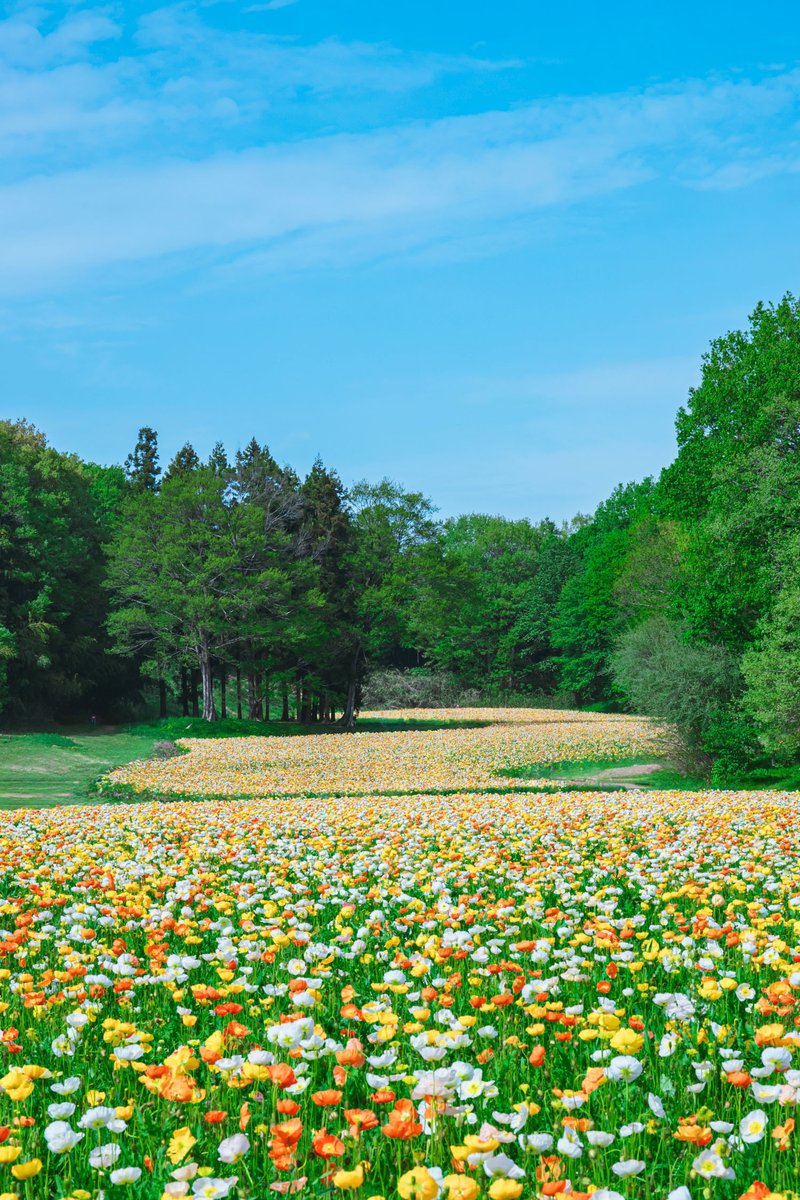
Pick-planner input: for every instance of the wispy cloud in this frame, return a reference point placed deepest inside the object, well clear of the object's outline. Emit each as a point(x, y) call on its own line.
point(271, 5)
point(113, 159)
point(86, 82)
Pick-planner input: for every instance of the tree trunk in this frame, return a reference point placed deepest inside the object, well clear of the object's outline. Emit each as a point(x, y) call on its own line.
point(195, 705)
point(297, 702)
point(305, 708)
point(348, 720)
point(223, 680)
point(184, 692)
point(162, 697)
point(253, 698)
point(207, 677)
point(285, 700)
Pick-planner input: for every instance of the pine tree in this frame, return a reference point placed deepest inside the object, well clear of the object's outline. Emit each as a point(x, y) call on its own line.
point(142, 466)
point(184, 461)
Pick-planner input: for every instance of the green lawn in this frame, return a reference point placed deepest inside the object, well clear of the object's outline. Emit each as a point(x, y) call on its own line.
point(172, 728)
point(42, 769)
point(664, 778)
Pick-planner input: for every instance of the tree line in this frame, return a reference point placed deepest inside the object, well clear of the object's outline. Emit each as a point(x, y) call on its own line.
point(236, 580)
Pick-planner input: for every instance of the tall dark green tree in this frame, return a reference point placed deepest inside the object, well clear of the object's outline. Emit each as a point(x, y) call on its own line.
point(141, 465)
point(185, 460)
point(55, 514)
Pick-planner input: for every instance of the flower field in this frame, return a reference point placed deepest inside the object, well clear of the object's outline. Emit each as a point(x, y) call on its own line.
point(466, 996)
point(402, 761)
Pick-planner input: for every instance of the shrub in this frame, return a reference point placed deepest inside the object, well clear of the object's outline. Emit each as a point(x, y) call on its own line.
point(166, 750)
point(392, 688)
point(692, 687)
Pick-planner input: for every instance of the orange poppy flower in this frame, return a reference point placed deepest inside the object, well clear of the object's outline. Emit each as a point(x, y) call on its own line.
point(327, 1145)
point(326, 1098)
point(402, 1123)
point(180, 1088)
point(350, 1057)
point(235, 1029)
point(289, 1132)
point(360, 1119)
point(282, 1075)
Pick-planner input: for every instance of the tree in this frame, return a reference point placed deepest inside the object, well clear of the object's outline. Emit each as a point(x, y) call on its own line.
point(55, 515)
point(771, 665)
point(218, 459)
point(586, 620)
point(184, 461)
point(196, 569)
point(475, 593)
point(734, 482)
point(689, 686)
point(327, 632)
point(142, 464)
point(393, 532)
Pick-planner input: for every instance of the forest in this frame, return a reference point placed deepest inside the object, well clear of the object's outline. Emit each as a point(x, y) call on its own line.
point(233, 587)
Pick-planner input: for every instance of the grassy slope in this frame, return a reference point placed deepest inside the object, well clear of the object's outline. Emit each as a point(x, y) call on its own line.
point(666, 778)
point(41, 769)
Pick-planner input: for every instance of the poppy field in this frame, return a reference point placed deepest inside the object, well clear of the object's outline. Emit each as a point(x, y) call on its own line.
point(463, 996)
point(403, 761)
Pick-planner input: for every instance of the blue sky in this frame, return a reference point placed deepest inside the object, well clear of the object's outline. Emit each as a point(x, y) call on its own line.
point(477, 248)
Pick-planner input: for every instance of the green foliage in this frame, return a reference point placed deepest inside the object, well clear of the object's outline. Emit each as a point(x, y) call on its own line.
point(771, 666)
point(54, 651)
point(587, 618)
point(204, 565)
point(686, 685)
point(477, 598)
point(141, 465)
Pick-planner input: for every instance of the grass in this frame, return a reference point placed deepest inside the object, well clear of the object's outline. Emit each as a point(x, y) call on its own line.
point(38, 770)
point(568, 769)
point(666, 778)
point(125, 793)
point(172, 728)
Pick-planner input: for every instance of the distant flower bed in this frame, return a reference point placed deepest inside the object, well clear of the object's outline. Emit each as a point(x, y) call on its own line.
point(460, 997)
point(401, 761)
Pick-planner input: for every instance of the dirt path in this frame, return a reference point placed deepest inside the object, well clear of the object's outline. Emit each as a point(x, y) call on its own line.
point(619, 776)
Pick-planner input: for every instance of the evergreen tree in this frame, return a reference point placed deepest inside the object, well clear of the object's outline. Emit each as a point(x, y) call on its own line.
point(184, 461)
point(141, 465)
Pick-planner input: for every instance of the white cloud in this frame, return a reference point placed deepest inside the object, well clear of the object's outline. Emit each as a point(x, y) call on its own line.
point(70, 86)
point(332, 198)
point(165, 153)
point(271, 5)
